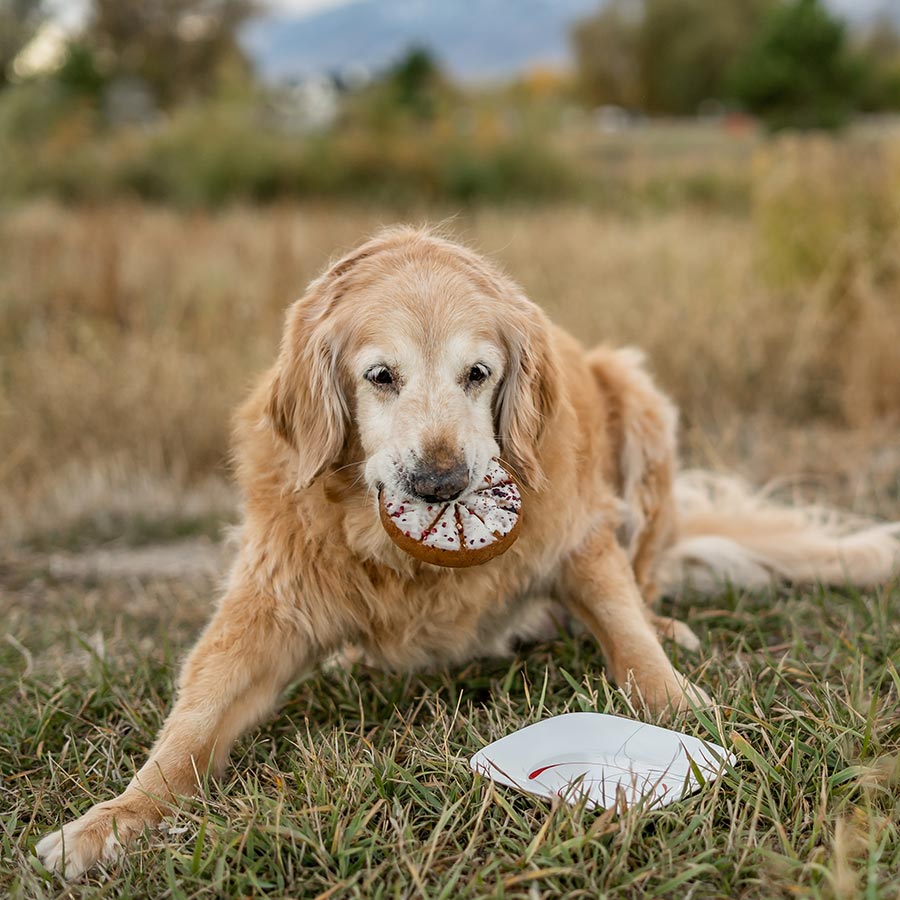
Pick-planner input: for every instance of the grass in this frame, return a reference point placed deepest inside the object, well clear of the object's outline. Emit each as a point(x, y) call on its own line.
point(360, 786)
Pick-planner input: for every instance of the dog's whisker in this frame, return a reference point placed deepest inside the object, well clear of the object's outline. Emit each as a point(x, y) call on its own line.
point(359, 462)
point(508, 465)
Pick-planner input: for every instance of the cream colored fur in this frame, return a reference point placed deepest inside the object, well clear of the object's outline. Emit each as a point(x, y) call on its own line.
point(591, 439)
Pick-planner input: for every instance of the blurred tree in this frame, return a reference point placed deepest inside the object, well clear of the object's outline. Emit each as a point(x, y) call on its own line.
point(19, 22)
point(179, 48)
point(413, 92)
point(663, 56)
point(414, 82)
point(79, 72)
point(687, 47)
point(606, 55)
point(882, 47)
point(800, 71)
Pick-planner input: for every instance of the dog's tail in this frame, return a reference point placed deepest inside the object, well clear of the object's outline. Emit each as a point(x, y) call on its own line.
point(728, 533)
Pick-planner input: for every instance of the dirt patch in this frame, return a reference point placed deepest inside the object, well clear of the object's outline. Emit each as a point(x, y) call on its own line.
point(190, 558)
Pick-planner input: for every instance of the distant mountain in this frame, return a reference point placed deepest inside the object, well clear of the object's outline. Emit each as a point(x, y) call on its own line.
point(473, 39)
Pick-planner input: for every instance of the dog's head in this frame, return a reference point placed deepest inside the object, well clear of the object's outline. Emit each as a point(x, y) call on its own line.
point(423, 355)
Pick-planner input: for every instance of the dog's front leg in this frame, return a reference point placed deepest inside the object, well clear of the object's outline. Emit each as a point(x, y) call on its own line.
point(599, 588)
point(246, 656)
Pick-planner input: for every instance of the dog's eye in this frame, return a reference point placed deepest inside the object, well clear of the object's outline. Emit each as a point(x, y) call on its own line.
point(478, 374)
point(380, 376)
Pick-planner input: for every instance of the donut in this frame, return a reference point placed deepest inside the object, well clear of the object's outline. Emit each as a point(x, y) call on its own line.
point(467, 531)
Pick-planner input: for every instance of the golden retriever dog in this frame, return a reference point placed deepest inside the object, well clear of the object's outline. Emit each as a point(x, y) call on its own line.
point(412, 362)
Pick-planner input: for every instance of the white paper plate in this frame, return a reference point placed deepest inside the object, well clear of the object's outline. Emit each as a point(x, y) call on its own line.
point(607, 759)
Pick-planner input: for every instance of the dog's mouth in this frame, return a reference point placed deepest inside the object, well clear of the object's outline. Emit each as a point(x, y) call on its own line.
point(406, 486)
point(464, 494)
point(403, 485)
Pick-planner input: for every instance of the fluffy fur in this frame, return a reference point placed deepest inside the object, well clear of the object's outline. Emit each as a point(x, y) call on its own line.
point(591, 439)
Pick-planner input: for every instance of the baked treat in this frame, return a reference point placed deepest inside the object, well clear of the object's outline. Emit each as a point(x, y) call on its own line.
point(467, 531)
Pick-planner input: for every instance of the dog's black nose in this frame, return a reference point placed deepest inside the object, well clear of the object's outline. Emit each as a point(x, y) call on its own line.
point(437, 485)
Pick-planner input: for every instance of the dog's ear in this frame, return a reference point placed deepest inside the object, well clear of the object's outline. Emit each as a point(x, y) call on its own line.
point(307, 406)
point(528, 393)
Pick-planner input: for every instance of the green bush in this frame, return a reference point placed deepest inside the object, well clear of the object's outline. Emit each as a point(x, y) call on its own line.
point(824, 209)
point(203, 157)
point(215, 153)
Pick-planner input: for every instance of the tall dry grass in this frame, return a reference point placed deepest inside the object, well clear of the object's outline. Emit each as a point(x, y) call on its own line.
point(128, 333)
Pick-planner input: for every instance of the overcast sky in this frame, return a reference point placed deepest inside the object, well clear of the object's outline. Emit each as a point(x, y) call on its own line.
point(303, 6)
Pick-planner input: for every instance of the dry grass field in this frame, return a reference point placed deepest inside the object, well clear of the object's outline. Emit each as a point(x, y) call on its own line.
point(127, 335)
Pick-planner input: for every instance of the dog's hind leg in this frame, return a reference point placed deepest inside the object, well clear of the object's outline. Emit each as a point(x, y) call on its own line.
point(642, 422)
point(233, 677)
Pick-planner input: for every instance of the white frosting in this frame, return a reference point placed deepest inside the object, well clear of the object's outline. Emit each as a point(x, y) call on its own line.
point(506, 495)
point(444, 534)
point(495, 474)
point(475, 533)
point(411, 516)
point(495, 518)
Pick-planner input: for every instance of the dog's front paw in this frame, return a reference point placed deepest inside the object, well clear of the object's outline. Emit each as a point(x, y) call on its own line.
point(97, 837)
point(669, 696)
point(677, 631)
point(693, 697)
